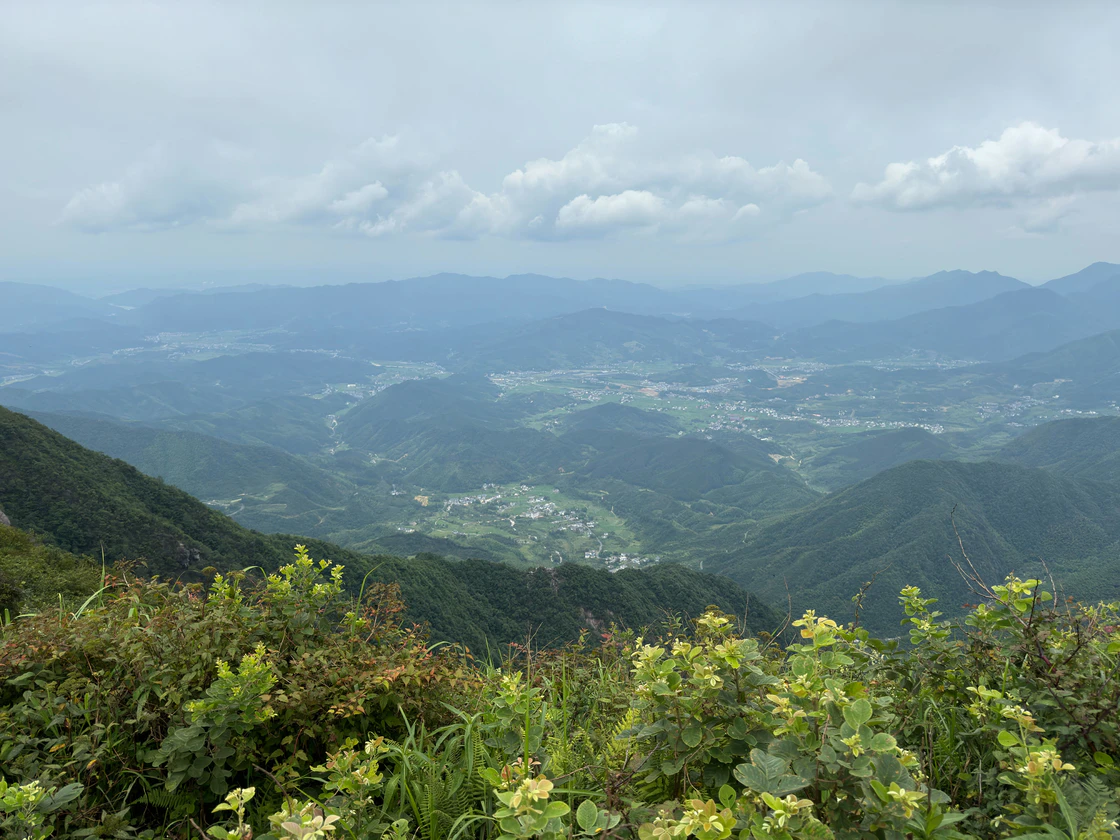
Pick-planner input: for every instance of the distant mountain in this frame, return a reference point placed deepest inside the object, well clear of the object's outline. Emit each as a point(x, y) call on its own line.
point(896, 527)
point(132, 298)
point(297, 425)
point(65, 340)
point(866, 454)
point(1085, 373)
point(617, 417)
point(442, 300)
point(391, 415)
point(602, 337)
point(246, 374)
point(817, 283)
point(158, 401)
point(1081, 447)
point(691, 468)
point(155, 390)
point(1002, 327)
point(946, 288)
point(1101, 301)
point(453, 434)
point(27, 305)
point(1084, 279)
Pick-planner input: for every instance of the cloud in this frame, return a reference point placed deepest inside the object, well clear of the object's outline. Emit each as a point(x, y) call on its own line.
point(1028, 163)
point(1046, 216)
point(630, 208)
point(162, 190)
point(609, 183)
point(344, 191)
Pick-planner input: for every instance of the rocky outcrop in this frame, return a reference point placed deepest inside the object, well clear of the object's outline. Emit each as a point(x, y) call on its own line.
point(186, 556)
point(4, 520)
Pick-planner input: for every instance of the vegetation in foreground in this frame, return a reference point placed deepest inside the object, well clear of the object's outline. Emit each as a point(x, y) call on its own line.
point(285, 708)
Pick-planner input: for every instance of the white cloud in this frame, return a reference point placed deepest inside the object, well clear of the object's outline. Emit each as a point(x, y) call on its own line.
point(359, 200)
point(1027, 163)
point(162, 190)
point(608, 183)
point(630, 208)
point(343, 192)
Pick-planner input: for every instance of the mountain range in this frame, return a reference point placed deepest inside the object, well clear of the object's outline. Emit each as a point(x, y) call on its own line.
point(535, 322)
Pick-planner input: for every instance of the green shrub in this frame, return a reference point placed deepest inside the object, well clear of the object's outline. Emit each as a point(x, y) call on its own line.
point(280, 708)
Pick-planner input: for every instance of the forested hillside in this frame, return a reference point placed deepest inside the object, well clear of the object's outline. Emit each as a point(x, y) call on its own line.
point(88, 503)
point(204, 466)
point(83, 503)
point(1080, 448)
point(898, 529)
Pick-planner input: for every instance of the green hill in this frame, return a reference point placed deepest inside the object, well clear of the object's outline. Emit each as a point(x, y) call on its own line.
point(868, 453)
point(689, 468)
point(297, 425)
point(454, 401)
point(85, 501)
point(80, 501)
point(1085, 372)
point(897, 525)
point(617, 417)
point(1081, 447)
point(202, 465)
point(479, 602)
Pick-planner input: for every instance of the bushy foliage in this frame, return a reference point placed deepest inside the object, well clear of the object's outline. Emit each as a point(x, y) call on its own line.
point(161, 698)
point(281, 708)
point(35, 576)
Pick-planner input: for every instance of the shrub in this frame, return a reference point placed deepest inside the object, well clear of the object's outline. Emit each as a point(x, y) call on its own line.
point(278, 708)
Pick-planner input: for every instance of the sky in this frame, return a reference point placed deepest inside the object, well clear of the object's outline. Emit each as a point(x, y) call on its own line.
point(680, 143)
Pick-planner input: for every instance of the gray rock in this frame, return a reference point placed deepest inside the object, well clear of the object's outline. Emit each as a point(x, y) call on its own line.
point(4, 520)
point(187, 556)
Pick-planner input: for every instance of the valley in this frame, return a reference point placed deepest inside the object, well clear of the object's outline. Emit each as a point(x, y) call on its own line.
point(669, 441)
point(536, 432)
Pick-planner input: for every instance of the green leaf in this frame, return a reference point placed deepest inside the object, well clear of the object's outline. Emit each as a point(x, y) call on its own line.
point(858, 713)
point(692, 734)
point(556, 809)
point(669, 767)
point(882, 742)
point(62, 797)
point(1007, 739)
point(889, 769)
point(751, 777)
point(770, 765)
point(587, 815)
point(789, 784)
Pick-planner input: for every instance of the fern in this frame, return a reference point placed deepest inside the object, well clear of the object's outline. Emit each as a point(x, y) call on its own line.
point(177, 804)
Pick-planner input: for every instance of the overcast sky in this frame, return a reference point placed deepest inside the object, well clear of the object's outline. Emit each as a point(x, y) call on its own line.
point(681, 143)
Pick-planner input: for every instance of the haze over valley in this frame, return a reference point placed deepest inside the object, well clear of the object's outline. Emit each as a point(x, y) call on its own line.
point(799, 437)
